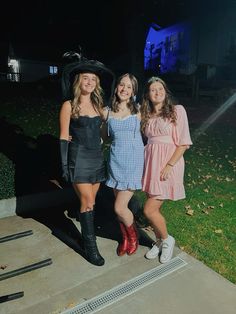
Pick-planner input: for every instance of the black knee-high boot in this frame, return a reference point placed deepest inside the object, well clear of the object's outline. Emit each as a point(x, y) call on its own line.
point(89, 239)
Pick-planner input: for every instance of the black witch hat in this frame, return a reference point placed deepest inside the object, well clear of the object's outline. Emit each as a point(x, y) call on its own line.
point(79, 64)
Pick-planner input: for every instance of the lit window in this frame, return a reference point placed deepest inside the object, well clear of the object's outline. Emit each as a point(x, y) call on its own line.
point(13, 63)
point(13, 70)
point(53, 70)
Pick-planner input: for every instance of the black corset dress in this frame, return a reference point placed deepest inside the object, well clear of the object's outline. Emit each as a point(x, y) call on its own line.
point(86, 162)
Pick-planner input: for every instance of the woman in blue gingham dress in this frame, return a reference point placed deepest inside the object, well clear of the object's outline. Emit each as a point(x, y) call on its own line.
point(126, 160)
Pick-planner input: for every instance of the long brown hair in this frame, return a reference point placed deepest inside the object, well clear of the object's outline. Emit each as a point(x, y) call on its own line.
point(147, 108)
point(131, 104)
point(96, 96)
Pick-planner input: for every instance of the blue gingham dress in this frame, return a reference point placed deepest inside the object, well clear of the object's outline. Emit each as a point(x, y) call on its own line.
point(126, 158)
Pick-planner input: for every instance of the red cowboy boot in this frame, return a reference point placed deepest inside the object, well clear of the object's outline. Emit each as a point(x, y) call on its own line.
point(132, 239)
point(123, 246)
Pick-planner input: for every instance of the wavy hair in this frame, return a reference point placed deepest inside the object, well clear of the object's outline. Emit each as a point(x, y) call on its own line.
point(132, 103)
point(96, 96)
point(147, 108)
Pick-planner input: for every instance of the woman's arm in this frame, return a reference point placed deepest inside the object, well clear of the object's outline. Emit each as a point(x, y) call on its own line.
point(104, 134)
point(178, 153)
point(181, 137)
point(104, 131)
point(64, 119)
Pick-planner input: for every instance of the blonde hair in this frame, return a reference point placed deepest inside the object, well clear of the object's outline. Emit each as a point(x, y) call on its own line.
point(131, 104)
point(96, 96)
point(147, 108)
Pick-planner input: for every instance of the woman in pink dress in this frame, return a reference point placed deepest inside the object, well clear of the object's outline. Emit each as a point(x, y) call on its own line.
point(165, 126)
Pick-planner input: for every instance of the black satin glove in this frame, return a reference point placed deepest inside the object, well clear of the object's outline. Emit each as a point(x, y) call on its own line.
point(64, 144)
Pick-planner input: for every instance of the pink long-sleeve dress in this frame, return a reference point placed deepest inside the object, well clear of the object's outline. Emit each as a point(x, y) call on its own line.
point(163, 138)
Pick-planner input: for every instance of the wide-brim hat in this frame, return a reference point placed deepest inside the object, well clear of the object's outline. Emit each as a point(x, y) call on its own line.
point(106, 76)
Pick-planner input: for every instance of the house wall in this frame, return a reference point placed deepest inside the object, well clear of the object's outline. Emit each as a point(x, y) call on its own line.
point(33, 71)
point(226, 34)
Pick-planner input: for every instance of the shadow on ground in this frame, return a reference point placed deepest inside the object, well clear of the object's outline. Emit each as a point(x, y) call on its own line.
point(61, 217)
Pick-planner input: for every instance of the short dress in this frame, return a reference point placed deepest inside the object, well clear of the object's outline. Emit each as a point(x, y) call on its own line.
point(126, 158)
point(85, 155)
point(163, 138)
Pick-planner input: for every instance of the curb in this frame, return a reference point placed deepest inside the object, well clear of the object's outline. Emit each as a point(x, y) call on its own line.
point(23, 205)
point(8, 207)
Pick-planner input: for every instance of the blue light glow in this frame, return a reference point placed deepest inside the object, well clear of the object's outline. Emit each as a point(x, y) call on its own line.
point(167, 50)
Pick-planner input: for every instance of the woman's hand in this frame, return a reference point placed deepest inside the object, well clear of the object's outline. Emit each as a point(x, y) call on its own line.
point(178, 153)
point(165, 173)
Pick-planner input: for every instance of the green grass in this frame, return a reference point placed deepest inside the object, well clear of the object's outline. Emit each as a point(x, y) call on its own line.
point(204, 224)
point(39, 117)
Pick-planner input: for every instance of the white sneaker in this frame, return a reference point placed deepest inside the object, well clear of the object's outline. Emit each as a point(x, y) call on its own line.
point(167, 249)
point(155, 250)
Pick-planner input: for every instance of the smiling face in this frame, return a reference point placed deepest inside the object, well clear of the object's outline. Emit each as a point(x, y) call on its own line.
point(88, 82)
point(157, 93)
point(124, 89)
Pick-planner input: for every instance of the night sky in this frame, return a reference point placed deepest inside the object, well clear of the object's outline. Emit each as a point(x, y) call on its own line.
point(100, 27)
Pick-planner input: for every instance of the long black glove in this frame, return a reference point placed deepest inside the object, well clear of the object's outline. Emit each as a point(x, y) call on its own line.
point(64, 144)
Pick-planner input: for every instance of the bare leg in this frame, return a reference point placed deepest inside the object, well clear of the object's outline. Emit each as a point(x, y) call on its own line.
point(87, 194)
point(152, 212)
point(121, 207)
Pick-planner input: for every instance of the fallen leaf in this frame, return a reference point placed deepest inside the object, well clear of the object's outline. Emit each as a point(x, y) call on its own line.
point(3, 266)
point(187, 207)
point(70, 305)
point(208, 176)
point(190, 212)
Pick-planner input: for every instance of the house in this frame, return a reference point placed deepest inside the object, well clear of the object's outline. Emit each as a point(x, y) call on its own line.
point(203, 44)
point(28, 63)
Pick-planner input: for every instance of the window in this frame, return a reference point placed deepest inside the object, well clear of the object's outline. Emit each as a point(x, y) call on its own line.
point(13, 70)
point(53, 70)
point(173, 42)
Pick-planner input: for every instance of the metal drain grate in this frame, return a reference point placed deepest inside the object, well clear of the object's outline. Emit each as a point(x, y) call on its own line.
point(123, 290)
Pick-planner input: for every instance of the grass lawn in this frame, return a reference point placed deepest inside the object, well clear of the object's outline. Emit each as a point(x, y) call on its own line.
point(204, 224)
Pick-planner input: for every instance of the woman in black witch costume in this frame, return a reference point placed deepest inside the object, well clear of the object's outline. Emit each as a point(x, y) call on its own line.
point(81, 117)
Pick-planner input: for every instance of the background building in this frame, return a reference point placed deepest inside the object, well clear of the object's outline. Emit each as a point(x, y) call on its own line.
point(206, 45)
point(29, 63)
